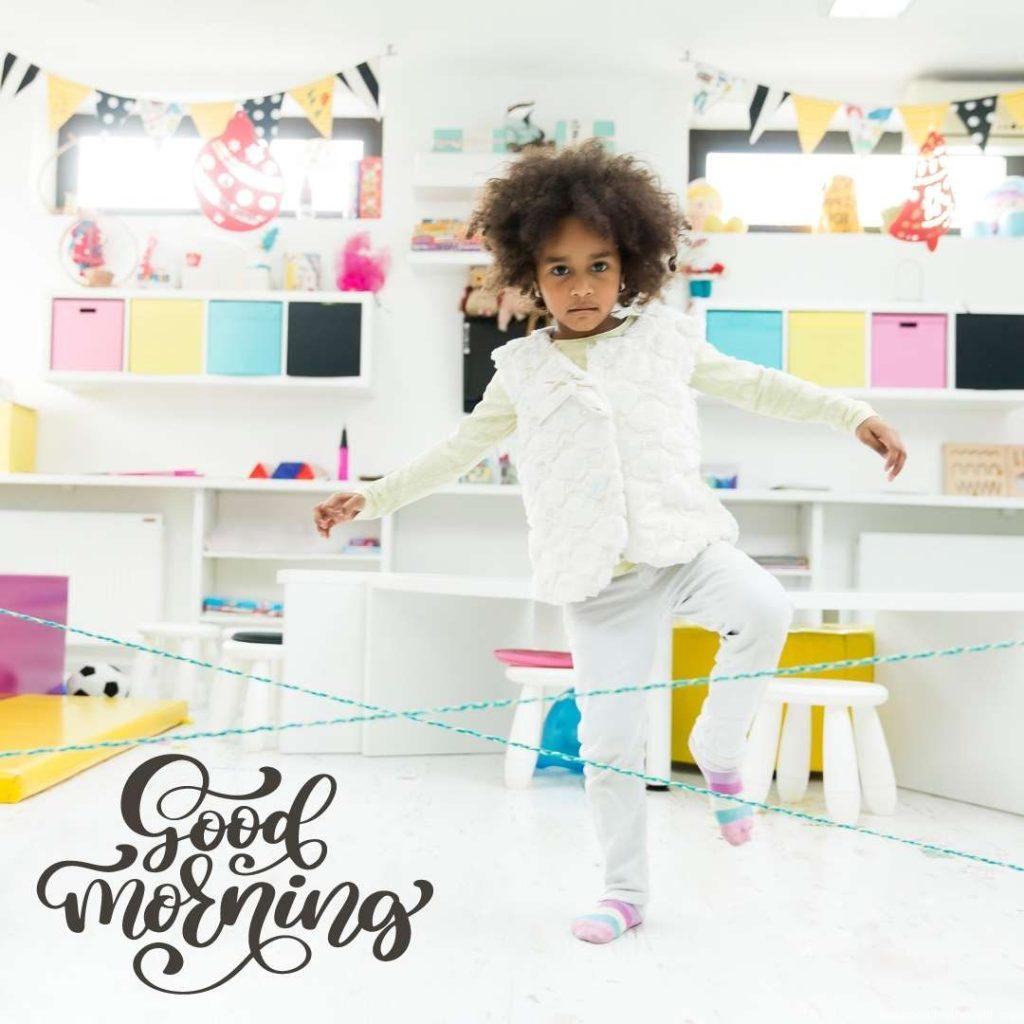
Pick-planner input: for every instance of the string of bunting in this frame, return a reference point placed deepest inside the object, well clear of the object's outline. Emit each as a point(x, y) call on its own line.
point(160, 118)
point(865, 125)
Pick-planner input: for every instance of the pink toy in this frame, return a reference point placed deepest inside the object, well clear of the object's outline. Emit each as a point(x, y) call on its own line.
point(32, 656)
point(361, 269)
point(527, 658)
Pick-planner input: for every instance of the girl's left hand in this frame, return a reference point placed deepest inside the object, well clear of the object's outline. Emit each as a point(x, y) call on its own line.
point(877, 434)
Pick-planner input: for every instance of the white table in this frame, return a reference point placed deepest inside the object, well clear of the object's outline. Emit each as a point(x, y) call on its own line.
point(418, 640)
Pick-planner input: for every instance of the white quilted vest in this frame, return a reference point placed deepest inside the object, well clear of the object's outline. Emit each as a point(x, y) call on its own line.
point(609, 457)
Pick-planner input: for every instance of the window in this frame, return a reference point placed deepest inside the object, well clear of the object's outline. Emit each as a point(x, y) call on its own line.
point(773, 186)
point(128, 172)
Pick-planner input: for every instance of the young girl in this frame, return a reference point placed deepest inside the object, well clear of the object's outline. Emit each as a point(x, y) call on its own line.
point(622, 528)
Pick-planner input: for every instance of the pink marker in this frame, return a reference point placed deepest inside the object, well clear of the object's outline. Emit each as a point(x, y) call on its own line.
point(343, 456)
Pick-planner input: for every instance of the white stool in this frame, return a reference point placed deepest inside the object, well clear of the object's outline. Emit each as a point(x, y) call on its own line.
point(160, 677)
point(528, 722)
point(236, 701)
point(845, 751)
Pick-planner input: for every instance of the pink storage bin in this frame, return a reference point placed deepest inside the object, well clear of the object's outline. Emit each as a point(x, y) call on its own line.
point(908, 350)
point(87, 334)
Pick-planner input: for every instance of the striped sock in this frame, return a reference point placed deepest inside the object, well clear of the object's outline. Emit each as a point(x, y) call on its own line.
point(735, 820)
point(608, 921)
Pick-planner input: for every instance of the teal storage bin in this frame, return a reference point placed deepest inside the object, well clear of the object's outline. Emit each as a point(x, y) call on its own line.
point(244, 338)
point(754, 335)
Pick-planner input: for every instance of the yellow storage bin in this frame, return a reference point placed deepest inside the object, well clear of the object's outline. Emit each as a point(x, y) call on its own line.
point(165, 336)
point(828, 348)
point(17, 438)
point(693, 654)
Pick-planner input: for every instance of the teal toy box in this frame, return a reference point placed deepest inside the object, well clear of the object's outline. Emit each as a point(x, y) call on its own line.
point(754, 335)
point(244, 338)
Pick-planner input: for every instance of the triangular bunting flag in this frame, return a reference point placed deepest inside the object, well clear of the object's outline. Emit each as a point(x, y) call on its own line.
point(160, 120)
point(812, 120)
point(264, 113)
point(923, 119)
point(211, 118)
point(64, 97)
point(977, 116)
point(315, 99)
point(9, 75)
point(712, 85)
point(765, 102)
point(363, 81)
point(866, 129)
point(1014, 103)
point(113, 111)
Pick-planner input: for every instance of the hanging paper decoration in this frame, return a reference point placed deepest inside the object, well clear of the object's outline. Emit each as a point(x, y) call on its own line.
point(765, 102)
point(1014, 103)
point(237, 179)
point(211, 118)
point(866, 129)
point(923, 119)
point(977, 116)
point(264, 114)
point(363, 81)
point(316, 99)
point(812, 120)
point(160, 120)
point(926, 215)
point(25, 76)
point(63, 98)
point(113, 110)
point(712, 85)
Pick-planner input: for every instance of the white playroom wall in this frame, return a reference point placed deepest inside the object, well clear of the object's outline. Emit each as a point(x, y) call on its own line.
point(417, 387)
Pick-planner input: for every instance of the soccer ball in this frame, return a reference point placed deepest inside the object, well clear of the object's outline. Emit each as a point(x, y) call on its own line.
point(97, 680)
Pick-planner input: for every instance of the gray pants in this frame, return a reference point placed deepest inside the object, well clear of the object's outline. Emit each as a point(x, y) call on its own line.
point(613, 638)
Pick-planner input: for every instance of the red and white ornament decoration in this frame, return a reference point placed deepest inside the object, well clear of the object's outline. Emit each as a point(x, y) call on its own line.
point(237, 180)
point(927, 213)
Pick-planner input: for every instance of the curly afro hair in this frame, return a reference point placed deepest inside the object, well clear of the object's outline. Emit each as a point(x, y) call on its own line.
point(614, 195)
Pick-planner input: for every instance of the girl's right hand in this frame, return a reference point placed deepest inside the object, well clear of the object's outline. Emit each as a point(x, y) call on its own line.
point(338, 508)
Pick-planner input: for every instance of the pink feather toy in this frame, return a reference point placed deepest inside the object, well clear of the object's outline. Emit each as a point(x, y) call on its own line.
point(360, 268)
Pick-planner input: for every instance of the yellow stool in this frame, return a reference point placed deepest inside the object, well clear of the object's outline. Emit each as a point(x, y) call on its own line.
point(693, 654)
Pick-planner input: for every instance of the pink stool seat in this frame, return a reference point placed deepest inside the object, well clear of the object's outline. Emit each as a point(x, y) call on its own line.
point(524, 657)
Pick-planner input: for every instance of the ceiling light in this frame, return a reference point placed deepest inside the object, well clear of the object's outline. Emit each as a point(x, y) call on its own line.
point(868, 8)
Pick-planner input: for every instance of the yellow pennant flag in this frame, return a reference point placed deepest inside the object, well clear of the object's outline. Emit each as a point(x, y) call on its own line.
point(316, 100)
point(63, 98)
point(812, 120)
point(1014, 103)
point(923, 118)
point(211, 119)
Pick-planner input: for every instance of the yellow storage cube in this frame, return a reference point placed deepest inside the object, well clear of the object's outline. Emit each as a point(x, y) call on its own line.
point(17, 438)
point(828, 348)
point(165, 336)
point(693, 654)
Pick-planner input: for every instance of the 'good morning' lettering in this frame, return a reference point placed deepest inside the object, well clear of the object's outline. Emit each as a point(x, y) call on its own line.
point(201, 917)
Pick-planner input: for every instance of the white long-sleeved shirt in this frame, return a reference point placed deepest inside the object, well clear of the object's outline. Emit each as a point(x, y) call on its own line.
point(748, 385)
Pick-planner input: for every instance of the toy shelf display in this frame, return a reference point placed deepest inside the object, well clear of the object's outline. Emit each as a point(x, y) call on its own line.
point(287, 339)
point(884, 352)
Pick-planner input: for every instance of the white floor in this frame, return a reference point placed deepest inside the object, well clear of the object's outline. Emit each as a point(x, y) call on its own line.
point(805, 923)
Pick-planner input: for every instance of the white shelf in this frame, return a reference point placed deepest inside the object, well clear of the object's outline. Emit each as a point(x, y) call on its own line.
point(84, 380)
point(964, 398)
point(458, 172)
point(283, 556)
point(239, 295)
point(449, 257)
point(241, 621)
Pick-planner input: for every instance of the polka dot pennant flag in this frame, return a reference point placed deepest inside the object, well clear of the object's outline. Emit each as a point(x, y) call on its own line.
point(112, 111)
point(926, 215)
point(264, 114)
point(977, 116)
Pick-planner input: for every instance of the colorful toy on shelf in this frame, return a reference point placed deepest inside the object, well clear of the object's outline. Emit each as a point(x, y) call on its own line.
point(519, 131)
point(447, 140)
point(700, 279)
point(302, 271)
point(242, 606)
point(704, 209)
point(839, 206)
point(236, 178)
point(148, 274)
point(926, 215)
point(361, 268)
point(1002, 211)
point(477, 298)
point(98, 252)
point(98, 679)
point(431, 235)
point(287, 471)
point(371, 187)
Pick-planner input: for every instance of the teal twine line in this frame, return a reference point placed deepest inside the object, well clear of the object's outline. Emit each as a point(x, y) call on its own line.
point(504, 741)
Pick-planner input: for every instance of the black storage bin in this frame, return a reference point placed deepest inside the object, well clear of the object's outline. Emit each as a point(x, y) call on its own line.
point(324, 339)
point(480, 337)
point(990, 351)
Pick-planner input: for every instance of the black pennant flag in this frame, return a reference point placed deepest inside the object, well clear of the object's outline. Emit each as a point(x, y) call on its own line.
point(977, 116)
point(765, 102)
point(28, 76)
point(362, 80)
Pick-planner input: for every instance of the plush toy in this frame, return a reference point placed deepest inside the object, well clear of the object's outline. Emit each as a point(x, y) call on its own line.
point(477, 298)
point(839, 206)
point(361, 269)
point(513, 303)
point(704, 208)
point(1002, 211)
point(520, 132)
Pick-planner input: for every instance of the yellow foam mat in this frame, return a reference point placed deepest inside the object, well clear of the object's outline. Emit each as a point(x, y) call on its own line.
point(41, 720)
